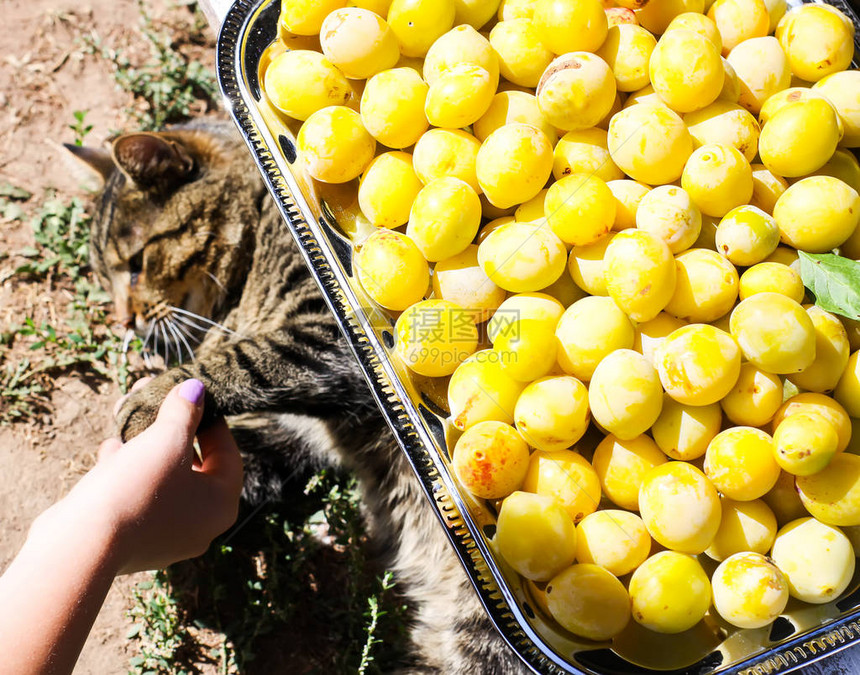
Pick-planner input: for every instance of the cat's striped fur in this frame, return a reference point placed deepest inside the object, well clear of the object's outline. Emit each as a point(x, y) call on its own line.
point(184, 226)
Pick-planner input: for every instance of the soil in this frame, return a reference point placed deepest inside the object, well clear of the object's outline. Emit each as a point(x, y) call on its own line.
point(46, 73)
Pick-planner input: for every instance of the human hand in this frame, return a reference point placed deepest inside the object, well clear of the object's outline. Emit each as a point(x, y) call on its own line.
point(137, 410)
point(154, 500)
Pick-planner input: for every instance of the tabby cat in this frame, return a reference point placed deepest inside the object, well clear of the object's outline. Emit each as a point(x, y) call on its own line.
point(198, 259)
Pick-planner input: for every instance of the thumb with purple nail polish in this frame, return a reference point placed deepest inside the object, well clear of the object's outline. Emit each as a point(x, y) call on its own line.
point(192, 391)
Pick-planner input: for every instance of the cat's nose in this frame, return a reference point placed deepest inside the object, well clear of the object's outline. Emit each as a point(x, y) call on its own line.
point(124, 319)
point(123, 309)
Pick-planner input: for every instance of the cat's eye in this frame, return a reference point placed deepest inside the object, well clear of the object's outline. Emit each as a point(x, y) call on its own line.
point(135, 263)
point(135, 266)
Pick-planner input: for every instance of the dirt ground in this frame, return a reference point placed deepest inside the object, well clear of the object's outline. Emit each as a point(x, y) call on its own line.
point(45, 75)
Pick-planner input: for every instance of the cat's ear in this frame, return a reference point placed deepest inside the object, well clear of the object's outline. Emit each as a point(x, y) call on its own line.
point(152, 161)
point(94, 165)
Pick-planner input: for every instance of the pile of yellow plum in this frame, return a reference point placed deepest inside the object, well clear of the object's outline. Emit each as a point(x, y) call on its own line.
point(593, 218)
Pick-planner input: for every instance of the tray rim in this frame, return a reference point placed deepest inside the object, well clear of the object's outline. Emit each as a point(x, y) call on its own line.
point(405, 420)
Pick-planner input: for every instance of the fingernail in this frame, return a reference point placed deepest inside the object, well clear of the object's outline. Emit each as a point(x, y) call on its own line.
point(192, 391)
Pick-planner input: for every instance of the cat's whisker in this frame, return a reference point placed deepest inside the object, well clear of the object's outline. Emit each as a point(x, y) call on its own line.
point(192, 315)
point(169, 326)
point(167, 341)
point(148, 335)
point(214, 324)
point(217, 282)
point(191, 324)
point(186, 343)
point(187, 333)
point(180, 323)
point(179, 336)
point(156, 336)
point(161, 330)
point(126, 341)
point(147, 359)
point(184, 333)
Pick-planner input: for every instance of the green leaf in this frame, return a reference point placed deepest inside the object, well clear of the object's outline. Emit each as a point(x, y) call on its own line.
point(133, 632)
point(834, 281)
point(13, 192)
point(12, 211)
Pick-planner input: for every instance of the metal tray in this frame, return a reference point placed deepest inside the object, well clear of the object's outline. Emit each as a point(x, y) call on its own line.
point(322, 219)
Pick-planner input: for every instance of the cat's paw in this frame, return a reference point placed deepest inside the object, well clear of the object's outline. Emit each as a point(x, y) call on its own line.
point(140, 409)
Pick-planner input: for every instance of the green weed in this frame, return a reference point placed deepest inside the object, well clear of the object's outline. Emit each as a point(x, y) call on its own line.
point(290, 585)
point(62, 235)
point(168, 85)
point(22, 398)
point(158, 629)
point(79, 344)
point(83, 338)
point(10, 198)
point(373, 614)
point(80, 127)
